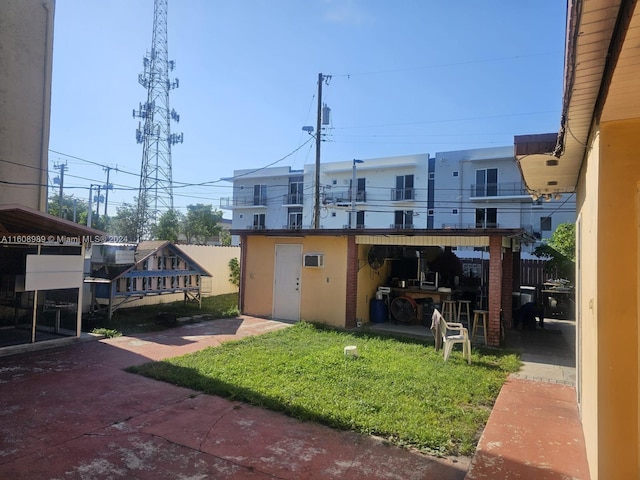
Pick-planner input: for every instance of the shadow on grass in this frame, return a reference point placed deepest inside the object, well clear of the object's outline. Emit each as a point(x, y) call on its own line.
point(192, 379)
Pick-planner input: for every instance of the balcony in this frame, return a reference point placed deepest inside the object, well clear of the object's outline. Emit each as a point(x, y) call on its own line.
point(498, 191)
point(344, 197)
point(402, 226)
point(466, 226)
point(403, 194)
point(244, 201)
point(293, 200)
point(292, 226)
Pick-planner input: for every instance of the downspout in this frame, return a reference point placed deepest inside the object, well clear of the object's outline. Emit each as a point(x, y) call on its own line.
point(46, 111)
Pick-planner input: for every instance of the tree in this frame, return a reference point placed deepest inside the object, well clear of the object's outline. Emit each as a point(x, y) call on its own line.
point(560, 250)
point(234, 274)
point(201, 223)
point(225, 238)
point(125, 223)
point(69, 204)
point(169, 226)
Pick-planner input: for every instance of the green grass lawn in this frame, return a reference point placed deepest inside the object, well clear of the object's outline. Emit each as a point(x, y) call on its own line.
point(143, 319)
point(398, 389)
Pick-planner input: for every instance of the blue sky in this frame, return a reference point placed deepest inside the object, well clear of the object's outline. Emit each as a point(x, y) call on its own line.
point(408, 76)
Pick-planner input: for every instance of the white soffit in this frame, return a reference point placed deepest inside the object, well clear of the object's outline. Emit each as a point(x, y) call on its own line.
point(589, 37)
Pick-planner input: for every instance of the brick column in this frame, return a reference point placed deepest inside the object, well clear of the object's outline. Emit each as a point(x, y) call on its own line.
point(517, 271)
point(495, 290)
point(507, 287)
point(351, 304)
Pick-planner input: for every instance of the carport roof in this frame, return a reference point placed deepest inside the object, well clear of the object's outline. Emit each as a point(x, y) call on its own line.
point(18, 220)
point(471, 237)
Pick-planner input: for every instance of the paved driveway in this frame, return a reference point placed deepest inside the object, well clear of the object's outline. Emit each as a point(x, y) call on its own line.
point(74, 413)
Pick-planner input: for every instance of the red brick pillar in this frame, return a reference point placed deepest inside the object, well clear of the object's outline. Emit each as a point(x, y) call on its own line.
point(507, 287)
point(495, 290)
point(351, 306)
point(517, 271)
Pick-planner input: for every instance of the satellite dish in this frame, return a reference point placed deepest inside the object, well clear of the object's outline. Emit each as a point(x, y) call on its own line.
point(376, 257)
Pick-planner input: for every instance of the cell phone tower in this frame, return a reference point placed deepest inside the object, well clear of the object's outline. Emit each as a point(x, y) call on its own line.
point(154, 127)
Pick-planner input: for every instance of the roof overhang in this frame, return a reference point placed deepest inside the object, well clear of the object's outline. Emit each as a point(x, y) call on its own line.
point(20, 220)
point(600, 84)
point(464, 237)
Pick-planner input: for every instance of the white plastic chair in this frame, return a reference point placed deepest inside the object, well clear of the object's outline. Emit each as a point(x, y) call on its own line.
point(444, 330)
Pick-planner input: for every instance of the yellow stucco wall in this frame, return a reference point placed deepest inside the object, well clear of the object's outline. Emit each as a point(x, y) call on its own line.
point(616, 305)
point(322, 290)
point(586, 300)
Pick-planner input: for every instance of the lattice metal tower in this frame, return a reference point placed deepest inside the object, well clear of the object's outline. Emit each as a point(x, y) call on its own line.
point(154, 128)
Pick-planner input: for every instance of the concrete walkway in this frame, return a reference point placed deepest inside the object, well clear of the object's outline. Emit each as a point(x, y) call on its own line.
point(74, 413)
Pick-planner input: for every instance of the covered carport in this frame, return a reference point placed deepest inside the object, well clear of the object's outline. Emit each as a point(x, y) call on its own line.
point(501, 245)
point(42, 261)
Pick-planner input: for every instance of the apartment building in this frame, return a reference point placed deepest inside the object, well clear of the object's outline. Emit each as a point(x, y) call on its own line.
point(478, 188)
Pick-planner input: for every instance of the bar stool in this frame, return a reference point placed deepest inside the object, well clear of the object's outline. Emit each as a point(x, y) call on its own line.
point(449, 310)
point(464, 308)
point(476, 316)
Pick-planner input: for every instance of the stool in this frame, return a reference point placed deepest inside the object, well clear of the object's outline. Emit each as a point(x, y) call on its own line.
point(449, 310)
point(476, 316)
point(464, 308)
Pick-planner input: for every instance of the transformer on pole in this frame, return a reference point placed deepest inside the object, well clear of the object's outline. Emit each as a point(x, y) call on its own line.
point(155, 194)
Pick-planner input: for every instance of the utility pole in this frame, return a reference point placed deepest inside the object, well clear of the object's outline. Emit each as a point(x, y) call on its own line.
point(90, 209)
point(63, 168)
point(107, 187)
point(98, 203)
point(316, 211)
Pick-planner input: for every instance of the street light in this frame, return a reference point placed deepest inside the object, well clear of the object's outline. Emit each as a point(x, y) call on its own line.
point(354, 193)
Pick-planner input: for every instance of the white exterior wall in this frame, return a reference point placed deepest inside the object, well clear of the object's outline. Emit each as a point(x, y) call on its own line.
point(380, 180)
point(515, 208)
point(277, 187)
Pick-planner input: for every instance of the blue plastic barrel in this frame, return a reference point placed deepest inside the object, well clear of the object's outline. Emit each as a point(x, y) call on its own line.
point(378, 311)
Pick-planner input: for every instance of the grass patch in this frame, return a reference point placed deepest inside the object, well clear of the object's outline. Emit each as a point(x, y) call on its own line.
point(106, 332)
point(143, 319)
point(398, 389)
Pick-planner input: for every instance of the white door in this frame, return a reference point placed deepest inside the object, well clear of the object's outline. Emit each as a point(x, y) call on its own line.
point(286, 288)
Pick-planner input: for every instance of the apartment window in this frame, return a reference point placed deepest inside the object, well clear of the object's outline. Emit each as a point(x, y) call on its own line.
point(403, 219)
point(259, 194)
point(545, 224)
point(487, 182)
point(486, 217)
point(360, 219)
point(361, 195)
point(404, 188)
point(455, 173)
point(296, 188)
point(259, 220)
point(295, 218)
point(454, 211)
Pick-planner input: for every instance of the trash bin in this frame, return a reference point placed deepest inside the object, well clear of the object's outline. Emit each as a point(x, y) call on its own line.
point(377, 311)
